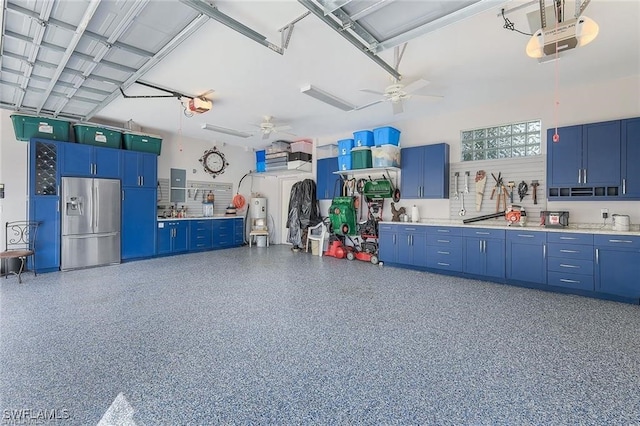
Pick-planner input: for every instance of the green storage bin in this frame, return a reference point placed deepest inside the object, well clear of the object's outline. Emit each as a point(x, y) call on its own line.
point(361, 158)
point(142, 143)
point(89, 134)
point(29, 126)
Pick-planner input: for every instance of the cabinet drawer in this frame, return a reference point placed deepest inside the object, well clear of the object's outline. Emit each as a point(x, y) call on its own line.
point(484, 233)
point(411, 229)
point(527, 237)
point(618, 241)
point(443, 230)
point(570, 266)
point(444, 241)
point(387, 228)
point(578, 281)
point(569, 237)
point(570, 251)
point(444, 258)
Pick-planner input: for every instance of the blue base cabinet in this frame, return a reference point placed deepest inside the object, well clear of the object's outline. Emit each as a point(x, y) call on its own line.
point(200, 235)
point(45, 210)
point(526, 256)
point(172, 237)
point(570, 260)
point(444, 248)
point(387, 243)
point(484, 252)
point(617, 268)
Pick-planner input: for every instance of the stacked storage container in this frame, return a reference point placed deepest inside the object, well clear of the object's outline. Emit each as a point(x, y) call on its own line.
point(277, 156)
point(90, 134)
point(386, 152)
point(261, 166)
point(300, 155)
point(26, 127)
point(135, 141)
point(361, 152)
point(344, 154)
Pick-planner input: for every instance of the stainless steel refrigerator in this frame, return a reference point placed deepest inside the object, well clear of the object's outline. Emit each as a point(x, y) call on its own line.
point(90, 222)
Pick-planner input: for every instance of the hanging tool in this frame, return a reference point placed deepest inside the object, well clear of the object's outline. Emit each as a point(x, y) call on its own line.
point(522, 189)
point(511, 184)
point(481, 181)
point(501, 190)
point(483, 217)
point(534, 185)
point(466, 182)
point(462, 211)
point(455, 185)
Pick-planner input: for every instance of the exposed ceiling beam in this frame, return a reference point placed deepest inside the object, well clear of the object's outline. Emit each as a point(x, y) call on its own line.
point(166, 49)
point(213, 13)
point(319, 12)
point(77, 35)
point(370, 9)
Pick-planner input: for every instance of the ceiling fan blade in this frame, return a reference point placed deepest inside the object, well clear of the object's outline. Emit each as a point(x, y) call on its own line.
point(416, 85)
point(369, 104)
point(397, 107)
point(375, 92)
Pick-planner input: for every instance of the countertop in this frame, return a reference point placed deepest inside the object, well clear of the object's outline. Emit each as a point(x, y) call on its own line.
point(172, 219)
point(589, 228)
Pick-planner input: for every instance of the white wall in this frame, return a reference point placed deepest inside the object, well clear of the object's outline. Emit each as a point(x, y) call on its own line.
point(607, 101)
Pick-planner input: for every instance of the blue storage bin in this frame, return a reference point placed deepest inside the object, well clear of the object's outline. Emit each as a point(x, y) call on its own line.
point(261, 166)
point(344, 162)
point(386, 135)
point(261, 156)
point(344, 146)
point(363, 138)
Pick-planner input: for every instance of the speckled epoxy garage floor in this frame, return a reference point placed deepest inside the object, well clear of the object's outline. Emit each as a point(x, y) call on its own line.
point(267, 336)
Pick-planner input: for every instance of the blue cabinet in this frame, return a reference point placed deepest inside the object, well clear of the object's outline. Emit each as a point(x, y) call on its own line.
point(172, 237)
point(631, 158)
point(412, 245)
point(200, 234)
point(526, 256)
point(90, 161)
point(326, 179)
point(238, 235)
point(223, 233)
point(44, 201)
point(425, 171)
point(484, 252)
point(570, 262)
point(138, 236)
point(444, 248)
point(617, 265)
point(388, 243)
point(585, 163)
point(139, 169)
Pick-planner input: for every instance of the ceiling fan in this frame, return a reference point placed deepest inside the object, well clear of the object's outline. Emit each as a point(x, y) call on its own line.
point(397, 92)
point(267, 127)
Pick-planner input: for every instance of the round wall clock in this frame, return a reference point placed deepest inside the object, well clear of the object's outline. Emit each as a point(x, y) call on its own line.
point(213, 162)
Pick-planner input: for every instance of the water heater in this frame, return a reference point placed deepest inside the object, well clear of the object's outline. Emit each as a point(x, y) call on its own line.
point(258, 208)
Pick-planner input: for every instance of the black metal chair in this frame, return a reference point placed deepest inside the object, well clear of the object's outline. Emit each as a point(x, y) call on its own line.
point(20, 242)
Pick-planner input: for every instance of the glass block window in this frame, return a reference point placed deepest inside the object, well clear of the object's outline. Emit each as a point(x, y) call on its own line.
point(521, 139)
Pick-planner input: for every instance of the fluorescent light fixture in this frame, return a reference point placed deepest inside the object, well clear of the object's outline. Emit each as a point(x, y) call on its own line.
point(566, 35)
point(327, 98)
point(224, 130)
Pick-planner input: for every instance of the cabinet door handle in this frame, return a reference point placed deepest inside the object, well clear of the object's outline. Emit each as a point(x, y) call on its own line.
point(123, 195)
point(141, 180)
point(408, 240)
point(567, 238)
point(480, 246)
point(564, 265)
point(621, 241)
point(544, 251)
point(443, 252)
point(444, 241)
point(585, 176)
point(579, 175)
point(597, 256)
point(443, 230)
point(394, 238)
point(565, 280)
point(568, 251)
point(525, 236)
point(482, 233)
point(443, 264)
point(624, 186)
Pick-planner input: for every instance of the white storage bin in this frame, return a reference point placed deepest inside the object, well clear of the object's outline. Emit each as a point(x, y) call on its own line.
point(302, 146)
point(385, 156)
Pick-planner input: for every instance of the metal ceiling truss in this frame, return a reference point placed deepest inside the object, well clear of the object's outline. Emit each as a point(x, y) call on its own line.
point(50, 86)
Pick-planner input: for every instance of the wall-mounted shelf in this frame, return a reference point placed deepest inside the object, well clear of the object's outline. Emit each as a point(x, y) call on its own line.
point(369, 171)
point(282, 172)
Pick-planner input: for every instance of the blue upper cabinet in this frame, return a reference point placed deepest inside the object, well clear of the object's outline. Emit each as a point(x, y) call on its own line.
point(325, 179)
point(139, 169)
point(90, 161)
point(425, 171)
point(586, 162)
point(631, 158)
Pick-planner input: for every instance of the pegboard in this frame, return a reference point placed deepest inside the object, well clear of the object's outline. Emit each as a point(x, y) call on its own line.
point(222, 192)
point(517, 170)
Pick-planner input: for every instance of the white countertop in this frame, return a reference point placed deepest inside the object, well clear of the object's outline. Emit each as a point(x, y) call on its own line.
point(170, 219)
point(590, 228)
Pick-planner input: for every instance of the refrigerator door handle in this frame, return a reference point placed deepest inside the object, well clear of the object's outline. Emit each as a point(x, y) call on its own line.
point(96, 207)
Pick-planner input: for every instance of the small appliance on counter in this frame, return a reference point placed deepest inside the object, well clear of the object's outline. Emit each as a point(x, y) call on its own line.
point(554, 219)
point(620, 222)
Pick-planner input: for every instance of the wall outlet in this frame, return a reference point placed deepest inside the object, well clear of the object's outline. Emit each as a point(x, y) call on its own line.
point(605, 213)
